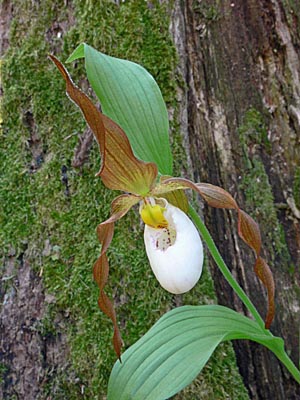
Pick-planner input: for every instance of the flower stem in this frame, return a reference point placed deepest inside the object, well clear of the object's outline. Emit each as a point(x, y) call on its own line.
point(280, 353)
point(285, 359)
point(223, 267)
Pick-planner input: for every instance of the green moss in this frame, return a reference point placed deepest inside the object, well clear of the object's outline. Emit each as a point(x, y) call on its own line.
point(291, 8)
point(296, 290)
point(296, 187)
point(208, 11)
point(253, 131)
point(260, 200)
point(132, 31)
point(256, 186)
point(3, 370)
point(179, 155)
point(58, 230)
point(260, 204)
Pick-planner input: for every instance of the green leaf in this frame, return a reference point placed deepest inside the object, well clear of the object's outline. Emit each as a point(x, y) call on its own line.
point(130, 96)
point(77, 53)
point(173, 352)
point(124, 171)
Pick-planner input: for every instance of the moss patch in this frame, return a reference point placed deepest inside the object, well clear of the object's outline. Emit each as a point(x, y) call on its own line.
point(256, 186)
point(296, 187)
point(253, 131)
point(208, 12)
point(57, 227)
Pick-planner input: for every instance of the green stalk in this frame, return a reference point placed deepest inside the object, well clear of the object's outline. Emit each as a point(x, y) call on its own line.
point(285, 359)
point(280, 353)
point(223, 267)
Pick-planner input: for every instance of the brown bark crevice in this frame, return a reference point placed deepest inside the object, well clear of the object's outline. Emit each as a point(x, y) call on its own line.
point(29, 353)
point(235, 57)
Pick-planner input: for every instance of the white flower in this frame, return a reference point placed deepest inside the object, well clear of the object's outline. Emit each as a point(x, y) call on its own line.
point(175, 252)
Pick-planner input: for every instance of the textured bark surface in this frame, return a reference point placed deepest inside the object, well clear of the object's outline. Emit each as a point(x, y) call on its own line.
point(34, 357)
point(237, 56)
point(5, 19)
point(30, 355)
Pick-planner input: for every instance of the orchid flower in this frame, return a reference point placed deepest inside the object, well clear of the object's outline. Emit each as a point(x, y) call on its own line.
point(172, 242)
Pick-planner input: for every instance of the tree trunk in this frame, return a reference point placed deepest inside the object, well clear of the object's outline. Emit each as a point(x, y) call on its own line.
point(241, 115)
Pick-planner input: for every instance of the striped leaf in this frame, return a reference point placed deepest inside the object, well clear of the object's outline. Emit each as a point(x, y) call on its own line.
point(173, 352)
point(130, 96)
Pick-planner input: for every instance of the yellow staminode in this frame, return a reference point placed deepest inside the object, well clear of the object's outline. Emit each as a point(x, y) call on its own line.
point(153, 215)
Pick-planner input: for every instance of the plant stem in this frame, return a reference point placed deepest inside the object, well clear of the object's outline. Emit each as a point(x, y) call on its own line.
point(280, 353)
point(223, 267)
point(285, 359)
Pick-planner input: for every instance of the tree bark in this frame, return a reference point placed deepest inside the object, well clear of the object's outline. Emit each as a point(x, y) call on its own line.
point(240, 110)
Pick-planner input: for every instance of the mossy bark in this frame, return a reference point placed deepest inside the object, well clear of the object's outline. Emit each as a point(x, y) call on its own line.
point(241, 62)
point(236, 97)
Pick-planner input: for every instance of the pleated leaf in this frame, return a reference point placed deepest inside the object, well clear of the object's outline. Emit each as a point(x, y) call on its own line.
point(173, 352)
point(130, 96)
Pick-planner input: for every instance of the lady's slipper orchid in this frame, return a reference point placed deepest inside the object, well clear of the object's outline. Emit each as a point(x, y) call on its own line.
point(173, 246)
point(172, 242)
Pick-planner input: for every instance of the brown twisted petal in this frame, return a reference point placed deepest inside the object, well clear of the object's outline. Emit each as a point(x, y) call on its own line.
point(120, 169)
point(120, 206)
point(216, 197)
point(100, 272)
point(213, 195)
point(172, 184)
point(248, 229)
point(177, 198)
point(264, 273)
